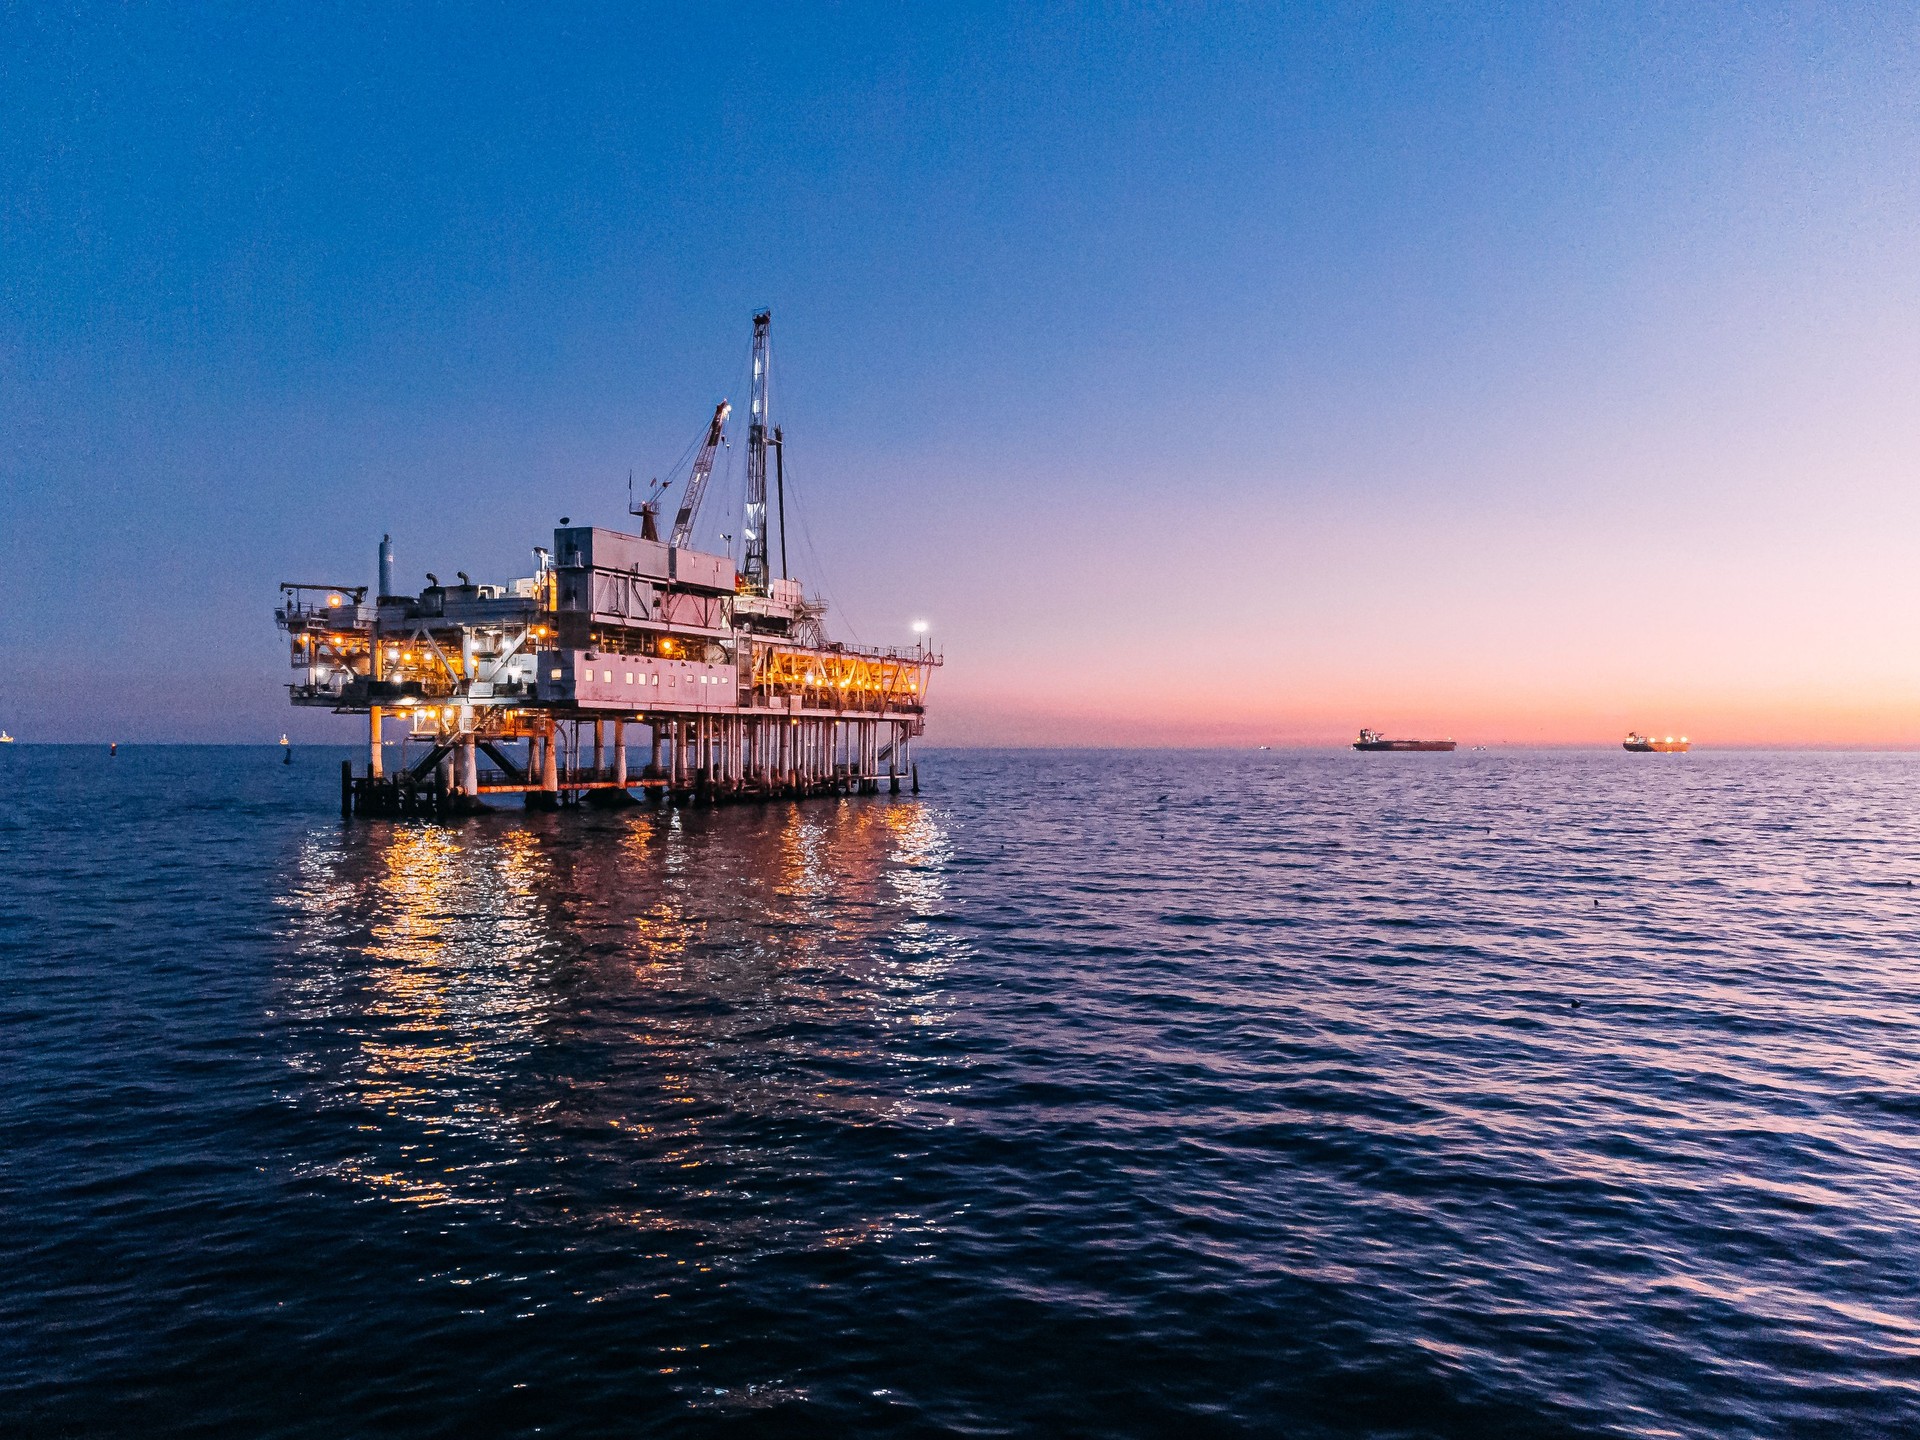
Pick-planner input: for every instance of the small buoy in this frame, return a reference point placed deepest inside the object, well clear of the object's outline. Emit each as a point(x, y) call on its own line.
point(113, 747)
point(1574, 1003)
point(1596, 902)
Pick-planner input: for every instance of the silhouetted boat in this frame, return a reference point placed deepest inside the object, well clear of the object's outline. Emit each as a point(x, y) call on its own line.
point(1646, 745)
point(1374, 740)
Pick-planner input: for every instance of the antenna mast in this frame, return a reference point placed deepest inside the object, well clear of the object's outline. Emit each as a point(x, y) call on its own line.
point(754, 563)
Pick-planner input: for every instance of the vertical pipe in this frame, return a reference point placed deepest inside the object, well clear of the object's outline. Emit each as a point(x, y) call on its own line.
point(620, 753)
point(780, 485)
point(599, 741)
point(653, 765)
point(375, 766)
point(466, 771)
point(549, 761)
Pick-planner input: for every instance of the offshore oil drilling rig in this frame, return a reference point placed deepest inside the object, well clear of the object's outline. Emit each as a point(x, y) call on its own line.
point(540, 687)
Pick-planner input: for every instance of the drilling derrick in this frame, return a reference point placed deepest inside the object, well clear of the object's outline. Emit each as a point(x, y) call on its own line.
point(753, 564)
point(727, 672)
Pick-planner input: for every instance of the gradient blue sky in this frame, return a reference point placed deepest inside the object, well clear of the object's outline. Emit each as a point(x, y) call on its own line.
point(1208, 375)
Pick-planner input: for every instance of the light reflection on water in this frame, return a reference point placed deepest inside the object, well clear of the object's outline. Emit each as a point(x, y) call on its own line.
point(686, 978)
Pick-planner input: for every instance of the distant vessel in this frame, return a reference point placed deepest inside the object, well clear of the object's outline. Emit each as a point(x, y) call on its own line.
point(1647, 745)
point(5, 739)
point(1374, 740)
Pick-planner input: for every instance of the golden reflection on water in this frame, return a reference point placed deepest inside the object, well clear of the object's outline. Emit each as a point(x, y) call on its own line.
point(500, 1001)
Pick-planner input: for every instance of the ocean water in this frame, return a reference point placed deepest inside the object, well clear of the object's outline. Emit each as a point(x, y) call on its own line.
point(1298, 1093)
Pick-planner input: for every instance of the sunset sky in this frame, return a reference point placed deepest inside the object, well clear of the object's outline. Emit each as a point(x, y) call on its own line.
point(1202, 375)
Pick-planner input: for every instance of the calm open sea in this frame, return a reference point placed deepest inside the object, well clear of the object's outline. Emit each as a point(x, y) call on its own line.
point(1155, 1093)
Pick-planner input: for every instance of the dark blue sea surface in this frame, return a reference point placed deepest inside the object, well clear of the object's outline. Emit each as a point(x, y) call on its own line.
point(1309, 1094)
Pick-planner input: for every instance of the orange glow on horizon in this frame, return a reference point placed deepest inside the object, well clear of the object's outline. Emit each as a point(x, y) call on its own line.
point(970, 716)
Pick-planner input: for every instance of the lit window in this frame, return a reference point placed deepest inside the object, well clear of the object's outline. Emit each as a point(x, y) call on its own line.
point(629, 677)
point(607, 675)
point(556, 674)
point(656, 679)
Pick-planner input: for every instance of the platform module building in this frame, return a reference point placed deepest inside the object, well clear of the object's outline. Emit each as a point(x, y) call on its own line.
point(539, 687)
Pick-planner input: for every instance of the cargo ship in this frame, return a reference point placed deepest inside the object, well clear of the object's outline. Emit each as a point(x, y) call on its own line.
point(1646, 745)
point(1374, 740)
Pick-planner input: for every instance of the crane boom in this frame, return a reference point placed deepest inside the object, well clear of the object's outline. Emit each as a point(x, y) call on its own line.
point(697, 477)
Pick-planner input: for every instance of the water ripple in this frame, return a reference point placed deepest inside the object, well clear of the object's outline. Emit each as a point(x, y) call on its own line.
point(1531, 1094)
